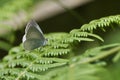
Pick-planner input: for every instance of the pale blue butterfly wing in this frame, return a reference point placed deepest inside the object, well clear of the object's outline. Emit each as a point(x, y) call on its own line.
point(33, 37)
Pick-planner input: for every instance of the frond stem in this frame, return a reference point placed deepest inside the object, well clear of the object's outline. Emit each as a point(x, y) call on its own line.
point(100, 56)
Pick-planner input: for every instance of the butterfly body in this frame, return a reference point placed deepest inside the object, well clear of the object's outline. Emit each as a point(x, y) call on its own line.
point(33, 37)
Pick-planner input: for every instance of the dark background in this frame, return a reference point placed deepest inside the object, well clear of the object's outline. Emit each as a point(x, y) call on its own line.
point(66, 21)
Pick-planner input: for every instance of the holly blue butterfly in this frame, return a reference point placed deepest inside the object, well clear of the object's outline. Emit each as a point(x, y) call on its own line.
point(33, 37)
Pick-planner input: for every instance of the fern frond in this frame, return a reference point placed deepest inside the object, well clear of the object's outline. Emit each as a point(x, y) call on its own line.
point(93, 51)
point(56, 52)
point(77, 72)
point(101, 23)
point(50, 60)
point(19, 62)
point(40, 60)
point(117, 57)
point(78, 33)
point(58, 46)
point(99, 53)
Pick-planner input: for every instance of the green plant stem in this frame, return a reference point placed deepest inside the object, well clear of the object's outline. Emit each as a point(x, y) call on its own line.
point(100, 56)
point(22, 73)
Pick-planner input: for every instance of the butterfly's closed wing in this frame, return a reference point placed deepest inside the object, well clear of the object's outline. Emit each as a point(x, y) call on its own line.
point(33, 31)
point(33, 37)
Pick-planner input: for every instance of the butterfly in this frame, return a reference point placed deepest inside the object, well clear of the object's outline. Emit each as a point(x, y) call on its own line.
point(33, 37)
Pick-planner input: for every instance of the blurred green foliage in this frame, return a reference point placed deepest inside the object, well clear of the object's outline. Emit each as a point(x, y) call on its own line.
point(66, 58)
point(8, 9)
